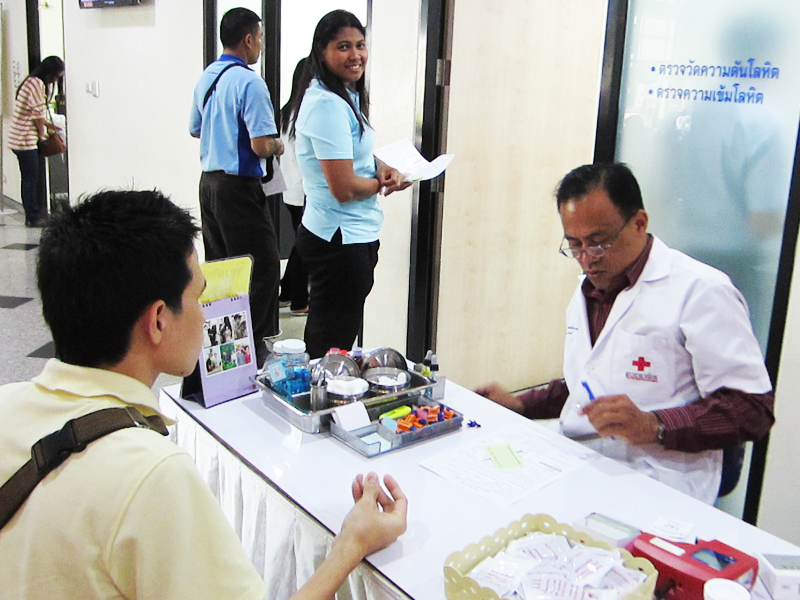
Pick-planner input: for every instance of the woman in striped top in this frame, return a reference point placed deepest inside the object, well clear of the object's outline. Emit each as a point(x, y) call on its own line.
point(29, 124)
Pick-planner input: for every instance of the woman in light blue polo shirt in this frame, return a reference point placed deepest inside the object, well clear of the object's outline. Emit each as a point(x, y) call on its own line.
point(338, 237)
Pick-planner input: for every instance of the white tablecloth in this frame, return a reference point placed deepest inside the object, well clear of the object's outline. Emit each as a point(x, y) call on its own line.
point(285, 544)
point(285, 491)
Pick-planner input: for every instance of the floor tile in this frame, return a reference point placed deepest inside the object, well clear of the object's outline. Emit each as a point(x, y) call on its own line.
point(20, 246)
point(13, 301)
point(46, 351)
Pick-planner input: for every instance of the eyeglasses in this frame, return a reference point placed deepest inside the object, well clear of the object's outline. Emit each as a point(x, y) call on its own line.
point(597, 251)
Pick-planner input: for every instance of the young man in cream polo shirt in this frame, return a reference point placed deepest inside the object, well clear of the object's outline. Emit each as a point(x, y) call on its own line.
point(130, 517)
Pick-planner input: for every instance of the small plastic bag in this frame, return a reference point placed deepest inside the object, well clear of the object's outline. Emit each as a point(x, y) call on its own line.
point(622, 579)
point(540, 546)
point(588, 565)
point(501, 573)
point(549, 586)
point(590, 593)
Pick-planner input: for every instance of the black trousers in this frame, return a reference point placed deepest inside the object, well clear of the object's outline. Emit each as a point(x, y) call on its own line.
point(294, 285)
point(31, 198)
point(341, 277)
point(235, 223)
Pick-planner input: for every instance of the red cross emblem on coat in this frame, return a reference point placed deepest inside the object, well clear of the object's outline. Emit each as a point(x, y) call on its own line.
point(641, 364)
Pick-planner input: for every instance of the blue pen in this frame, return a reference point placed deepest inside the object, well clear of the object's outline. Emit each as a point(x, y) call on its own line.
point(591, 397)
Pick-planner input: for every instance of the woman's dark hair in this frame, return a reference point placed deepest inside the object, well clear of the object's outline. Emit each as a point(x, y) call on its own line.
point(49, 70)
point(327, 29)
point(297, 93)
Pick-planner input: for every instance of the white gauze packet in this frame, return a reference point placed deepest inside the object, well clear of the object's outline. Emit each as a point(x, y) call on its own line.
point(549, 586)
point(587, 565)
point(595, 594)
point(623, 579)
point(540, 546)
point(501, 573)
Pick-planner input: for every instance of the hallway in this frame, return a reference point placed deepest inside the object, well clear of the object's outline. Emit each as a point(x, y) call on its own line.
point(25, 341)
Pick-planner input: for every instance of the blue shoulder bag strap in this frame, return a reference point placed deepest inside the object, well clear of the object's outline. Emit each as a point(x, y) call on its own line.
point(214, 85)
point(270, 168)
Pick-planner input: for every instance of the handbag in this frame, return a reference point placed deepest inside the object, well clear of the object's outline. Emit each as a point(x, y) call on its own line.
point(53, 145)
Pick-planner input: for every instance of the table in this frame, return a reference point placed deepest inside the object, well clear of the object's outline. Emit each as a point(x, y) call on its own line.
point(308, 479)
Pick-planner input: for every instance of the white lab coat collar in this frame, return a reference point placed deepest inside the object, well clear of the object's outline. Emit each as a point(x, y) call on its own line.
point(657, 267)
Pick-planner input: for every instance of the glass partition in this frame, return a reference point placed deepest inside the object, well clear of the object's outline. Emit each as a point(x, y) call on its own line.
point(708, 122)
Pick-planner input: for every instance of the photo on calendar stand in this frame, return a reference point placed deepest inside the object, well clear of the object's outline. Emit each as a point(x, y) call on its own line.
point(226, 343)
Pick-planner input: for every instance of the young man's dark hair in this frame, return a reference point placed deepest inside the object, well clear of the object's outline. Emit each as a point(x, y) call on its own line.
point(103, 262)
point(236, 24)
point(616, 179)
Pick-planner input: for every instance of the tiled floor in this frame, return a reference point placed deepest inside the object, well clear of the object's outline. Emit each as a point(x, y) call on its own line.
point(25, 342)
point(22, 330)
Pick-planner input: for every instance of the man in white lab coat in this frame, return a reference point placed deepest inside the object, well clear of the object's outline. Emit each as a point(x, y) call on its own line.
point(661, 367)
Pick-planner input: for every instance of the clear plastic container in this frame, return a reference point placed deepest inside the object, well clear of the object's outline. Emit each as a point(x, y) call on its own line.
point(288, 368)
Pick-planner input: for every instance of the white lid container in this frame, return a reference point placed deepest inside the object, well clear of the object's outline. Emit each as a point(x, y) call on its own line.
point(290, 346)
point(724, 589)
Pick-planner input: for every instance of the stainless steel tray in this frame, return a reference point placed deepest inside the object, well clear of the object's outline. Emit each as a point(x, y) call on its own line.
point(297, 411)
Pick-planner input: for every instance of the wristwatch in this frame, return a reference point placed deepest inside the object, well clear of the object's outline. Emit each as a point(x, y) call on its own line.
point(661, 432)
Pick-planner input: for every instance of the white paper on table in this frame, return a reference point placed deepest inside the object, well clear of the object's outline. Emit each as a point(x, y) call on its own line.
point(545, 455)
point(673, 530)
point(403, 156)
point(351, 416)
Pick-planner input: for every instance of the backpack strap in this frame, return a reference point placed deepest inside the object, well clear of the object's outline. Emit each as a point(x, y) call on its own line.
point(214, 85)
point(52, 450)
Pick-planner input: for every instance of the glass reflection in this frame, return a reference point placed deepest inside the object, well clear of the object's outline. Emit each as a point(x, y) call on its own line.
point(709, 122)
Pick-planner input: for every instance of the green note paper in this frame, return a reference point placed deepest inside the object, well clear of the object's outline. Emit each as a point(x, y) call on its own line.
point(505, 457)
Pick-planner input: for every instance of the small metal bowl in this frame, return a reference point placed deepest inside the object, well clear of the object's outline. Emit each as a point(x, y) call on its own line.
point(399, 379)
point(339, 399)
point(334, 365)
point(385, 357)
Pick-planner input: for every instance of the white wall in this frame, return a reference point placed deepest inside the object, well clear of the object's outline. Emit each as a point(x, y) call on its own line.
point(14, 70)
point(525, 83)
point(51, 30)
point(146, 60)
point(780, 501)
point(392, 85)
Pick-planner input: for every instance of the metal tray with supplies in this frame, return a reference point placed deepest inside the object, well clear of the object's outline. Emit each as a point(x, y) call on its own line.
point(375, 439)
point(296, 409)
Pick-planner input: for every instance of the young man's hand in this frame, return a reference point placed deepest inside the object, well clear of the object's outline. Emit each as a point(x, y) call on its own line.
point(378, 518)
